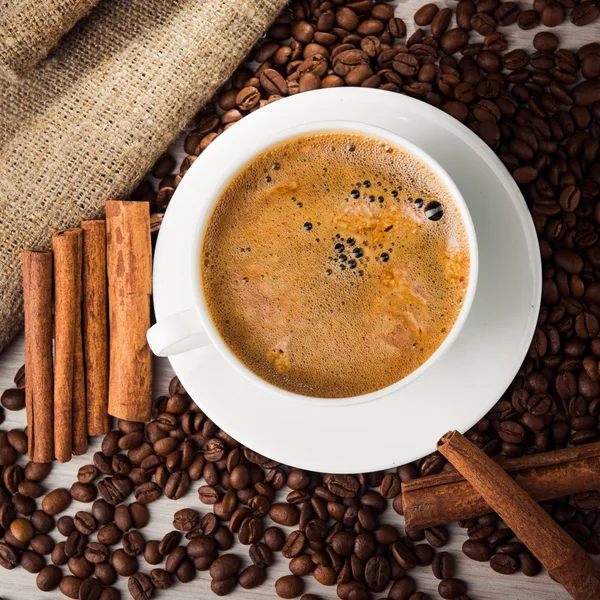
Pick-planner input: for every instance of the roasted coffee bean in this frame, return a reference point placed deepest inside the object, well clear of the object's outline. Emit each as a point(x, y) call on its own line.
point(252, 577)
point(208, 494)
point(530, 566)
point(289, 586)
point(151, 553)
point(169, 542)
point(404, 555)
point(301, 565)
point(251, 530)
point(377, 572)
point(584, 13)
point(56, 501)
point(102, 462)
point(90, 589)
point(425, 554)
point(224, 567)
point(483, 23)
point(284, 514)
point(147, 492)
point(30, 489)
point(37, 471)
point(58, 555)
point(110, 534)
point(403, 589)
point(477, 549)
point(201, 547)
point(42, 544)
point(294, 544)
point(42, 522)
point(110, 593)
point(133, 543)
point(344, 486)
point(451, 588)
point(185, 519)
point(75, 544)
point(32, 562)
point(298, 479)
point(185, 571)
point(504, 564)
point(443, 566)
point(140, 586)
point(110, 443)
point(396, 28)
point(437, 536)
point(426, 14)
point(102, 511)
point(545, 41)
point(82, 492)
point(174, 559)
point(161, 579)
point(261, 555)
point(87, 473)
point(177, 485)
point(122, 517)
point(96, 552)
point(454, 40)
point(105, 574)
point(124, 564)
point(9, 559)
point(13, 399)
point(84, 522)
point(48, 578)
point(80, 567)
point(69, 586)
point(528, 19)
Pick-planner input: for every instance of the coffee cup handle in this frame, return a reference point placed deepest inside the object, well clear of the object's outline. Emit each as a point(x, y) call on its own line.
point(178, 333)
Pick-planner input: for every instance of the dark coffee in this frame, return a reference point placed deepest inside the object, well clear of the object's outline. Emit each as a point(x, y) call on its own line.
point(335, 264)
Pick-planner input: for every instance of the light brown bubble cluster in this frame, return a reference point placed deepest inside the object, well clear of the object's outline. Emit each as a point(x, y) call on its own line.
point(322, 272)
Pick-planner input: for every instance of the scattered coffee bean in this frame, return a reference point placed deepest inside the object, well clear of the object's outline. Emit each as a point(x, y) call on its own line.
point(90, 589)
point(56, 501)
point(140, 586)
point(289, 586)
point(185, 519)
point(48, 578)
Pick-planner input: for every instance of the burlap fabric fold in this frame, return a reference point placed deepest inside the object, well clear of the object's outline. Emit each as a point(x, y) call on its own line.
point(29, 29)
point(85, 125)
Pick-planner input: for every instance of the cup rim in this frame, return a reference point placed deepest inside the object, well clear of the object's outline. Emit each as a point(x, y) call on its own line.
point(233, 167)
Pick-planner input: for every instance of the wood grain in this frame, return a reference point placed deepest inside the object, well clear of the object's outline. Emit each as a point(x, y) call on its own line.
point(483, 583)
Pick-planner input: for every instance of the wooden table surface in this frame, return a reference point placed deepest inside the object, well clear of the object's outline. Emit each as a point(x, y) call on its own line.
point(483, 583)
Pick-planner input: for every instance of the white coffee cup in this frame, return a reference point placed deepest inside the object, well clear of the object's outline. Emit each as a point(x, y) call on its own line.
point(193, 328)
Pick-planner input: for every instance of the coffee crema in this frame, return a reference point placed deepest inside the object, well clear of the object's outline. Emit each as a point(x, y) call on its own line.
point(334, 264)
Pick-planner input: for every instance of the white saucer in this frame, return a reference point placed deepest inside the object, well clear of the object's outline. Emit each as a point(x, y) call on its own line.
point(459, 389)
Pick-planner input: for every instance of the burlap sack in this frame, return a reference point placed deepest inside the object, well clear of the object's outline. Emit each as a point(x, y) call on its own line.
point(85, 125)
point(29, 29)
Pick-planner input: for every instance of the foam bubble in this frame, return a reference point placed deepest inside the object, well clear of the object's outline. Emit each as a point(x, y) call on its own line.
point(292, 309)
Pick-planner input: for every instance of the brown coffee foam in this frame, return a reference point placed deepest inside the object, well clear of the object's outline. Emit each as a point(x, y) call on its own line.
point(341, 334)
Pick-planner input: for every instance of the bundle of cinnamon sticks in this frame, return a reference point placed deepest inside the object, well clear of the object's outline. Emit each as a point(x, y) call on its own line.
point(88, 358)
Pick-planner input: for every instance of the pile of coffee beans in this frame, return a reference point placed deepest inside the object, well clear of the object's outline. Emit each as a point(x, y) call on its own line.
point(540, 112)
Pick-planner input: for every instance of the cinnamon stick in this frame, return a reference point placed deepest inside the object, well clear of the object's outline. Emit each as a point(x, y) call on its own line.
point(80, 434)
point(129, 261)
point(37, 295)
point(69, 399)
point(447, 497)
point(95, 325)
point(564, 559)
